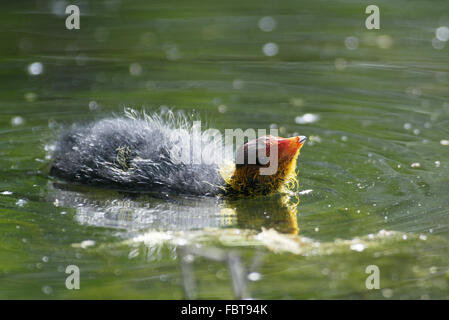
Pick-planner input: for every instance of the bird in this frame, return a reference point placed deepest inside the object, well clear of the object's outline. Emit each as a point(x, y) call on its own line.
point(141, 152)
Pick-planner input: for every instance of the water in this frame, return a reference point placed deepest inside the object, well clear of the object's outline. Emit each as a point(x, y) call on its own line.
point(373, 176)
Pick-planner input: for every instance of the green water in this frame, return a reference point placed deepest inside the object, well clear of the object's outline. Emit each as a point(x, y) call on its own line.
point(376, 157)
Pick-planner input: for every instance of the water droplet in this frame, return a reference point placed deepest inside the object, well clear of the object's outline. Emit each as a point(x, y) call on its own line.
point(307, 118)
point(442, 33)
point(413, 91)
point(352, 43)
point(270, 49)
point(340, 64)
point(134, 253)
point(387, 293)
point(359, 247)
point(163, 277)
point(237, 84)
point(58, 7)
point(305, 191)
point(384, 41)
point(437, 44)
point(21, 202)
point(87, 243)
point(17, 121)
point(30, 96)
point(93, 105)
point(135, 69)
point(312, 139)
point(47, 289)
point(296, 102)
point(35, 68)
point(267, 24)
point(222, 108)
point(172, 52)
point(254, 276)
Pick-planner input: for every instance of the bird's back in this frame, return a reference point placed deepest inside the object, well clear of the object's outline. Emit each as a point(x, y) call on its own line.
point(136, 153)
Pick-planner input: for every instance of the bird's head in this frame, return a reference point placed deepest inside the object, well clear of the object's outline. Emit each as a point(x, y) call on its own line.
point(265, 165)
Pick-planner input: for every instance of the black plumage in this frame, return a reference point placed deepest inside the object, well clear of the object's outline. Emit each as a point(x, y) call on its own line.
point(136, 152)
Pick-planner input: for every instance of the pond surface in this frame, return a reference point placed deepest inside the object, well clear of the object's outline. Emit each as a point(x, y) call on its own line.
point(374, 174)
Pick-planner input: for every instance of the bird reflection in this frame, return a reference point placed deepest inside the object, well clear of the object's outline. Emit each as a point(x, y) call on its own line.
point(165, 212)
point(278, 212)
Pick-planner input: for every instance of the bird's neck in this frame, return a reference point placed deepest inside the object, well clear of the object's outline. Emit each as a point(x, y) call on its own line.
point(247, 180)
